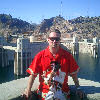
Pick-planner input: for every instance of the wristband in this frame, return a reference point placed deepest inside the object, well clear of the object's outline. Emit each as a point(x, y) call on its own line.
point(78, 88)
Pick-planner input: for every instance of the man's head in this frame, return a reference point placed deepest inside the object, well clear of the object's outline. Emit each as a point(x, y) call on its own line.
point(54, 38)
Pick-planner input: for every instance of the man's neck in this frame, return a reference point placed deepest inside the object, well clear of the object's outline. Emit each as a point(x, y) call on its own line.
point(54, 50)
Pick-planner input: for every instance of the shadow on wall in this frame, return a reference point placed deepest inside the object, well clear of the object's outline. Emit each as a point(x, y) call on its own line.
point(87, 90)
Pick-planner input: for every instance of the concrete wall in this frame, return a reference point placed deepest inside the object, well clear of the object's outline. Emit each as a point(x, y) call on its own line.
point(15, 88)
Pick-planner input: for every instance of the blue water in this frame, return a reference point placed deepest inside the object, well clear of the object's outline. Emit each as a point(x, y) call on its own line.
point(7, 74)
point(89, 69)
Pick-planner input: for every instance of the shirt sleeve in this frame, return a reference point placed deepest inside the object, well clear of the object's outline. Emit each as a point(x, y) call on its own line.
point(73, 68)
point(34, 68)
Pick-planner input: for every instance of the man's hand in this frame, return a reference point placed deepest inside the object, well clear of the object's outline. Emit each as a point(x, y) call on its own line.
point(80, 93)
point(27, 93)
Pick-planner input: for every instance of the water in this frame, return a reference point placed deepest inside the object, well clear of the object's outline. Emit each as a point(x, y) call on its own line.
point(7, 74)
point(89, 69)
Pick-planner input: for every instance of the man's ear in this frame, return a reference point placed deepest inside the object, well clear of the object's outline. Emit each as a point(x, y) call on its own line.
point(47, 40)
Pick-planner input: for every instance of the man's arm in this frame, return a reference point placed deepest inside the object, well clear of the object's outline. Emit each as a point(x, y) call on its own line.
point(27, 91)
point(75, 79)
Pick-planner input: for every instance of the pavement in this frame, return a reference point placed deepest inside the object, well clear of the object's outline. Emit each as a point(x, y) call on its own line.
point(12, 90)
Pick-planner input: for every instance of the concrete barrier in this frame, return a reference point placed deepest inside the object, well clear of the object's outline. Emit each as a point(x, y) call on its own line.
point(15, 88)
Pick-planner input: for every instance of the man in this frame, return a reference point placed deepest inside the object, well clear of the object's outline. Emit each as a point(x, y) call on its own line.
point(53, 65)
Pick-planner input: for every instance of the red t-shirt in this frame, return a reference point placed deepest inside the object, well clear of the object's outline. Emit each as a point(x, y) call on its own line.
point(41, 65)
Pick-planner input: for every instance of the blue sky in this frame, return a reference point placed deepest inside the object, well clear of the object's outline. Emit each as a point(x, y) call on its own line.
point(36, 10)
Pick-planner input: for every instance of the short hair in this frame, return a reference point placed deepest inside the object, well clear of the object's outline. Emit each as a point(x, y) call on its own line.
point(53, 30)
point(56, 31)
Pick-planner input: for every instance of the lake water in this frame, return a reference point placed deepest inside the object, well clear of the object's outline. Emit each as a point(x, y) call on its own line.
point(7, 74)
point(89, 69)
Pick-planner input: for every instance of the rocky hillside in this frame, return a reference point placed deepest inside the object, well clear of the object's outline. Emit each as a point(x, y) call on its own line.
point(9, 25)
point(54, 22)
point(80, 26)
point(87, 27)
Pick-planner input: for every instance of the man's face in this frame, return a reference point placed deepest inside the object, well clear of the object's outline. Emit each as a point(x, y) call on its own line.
point(54, 39)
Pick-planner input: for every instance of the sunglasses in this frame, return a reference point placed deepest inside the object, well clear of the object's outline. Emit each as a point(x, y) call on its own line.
point(54, 38)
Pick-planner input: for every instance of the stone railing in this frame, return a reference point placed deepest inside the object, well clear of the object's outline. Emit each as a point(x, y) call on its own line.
point(13, 89)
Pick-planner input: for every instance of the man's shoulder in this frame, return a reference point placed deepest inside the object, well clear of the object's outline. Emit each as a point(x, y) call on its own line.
point(65, 50)
point(41, 52)
point(65, 53)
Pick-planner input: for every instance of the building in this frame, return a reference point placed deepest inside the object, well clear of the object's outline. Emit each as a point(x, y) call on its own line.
point(3, 53)
point(24, 54)
point(72, 44)
point(24, 51)
point(91, 47)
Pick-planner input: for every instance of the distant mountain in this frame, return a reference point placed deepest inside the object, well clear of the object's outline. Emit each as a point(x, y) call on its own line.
point(54, 22)
point(86, 27)
point(9, 25)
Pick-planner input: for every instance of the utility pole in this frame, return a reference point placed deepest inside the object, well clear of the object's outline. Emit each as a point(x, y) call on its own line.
point(61, 8)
